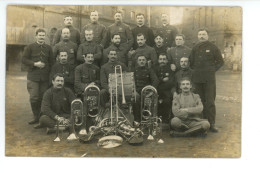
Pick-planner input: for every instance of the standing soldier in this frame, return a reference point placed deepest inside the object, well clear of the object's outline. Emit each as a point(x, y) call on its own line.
point(63, 67)
point(159, 46)
point(37, 56)
point(66, 45)
point(121, 49)
point(89, 46)
point(121, 28)
point(98, 29)
point(74, 33)
point(168, 31)
point(206, 59)
point(142, 28)
point(176, 53)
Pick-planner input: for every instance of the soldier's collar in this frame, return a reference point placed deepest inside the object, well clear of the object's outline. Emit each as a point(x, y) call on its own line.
point(43, 44)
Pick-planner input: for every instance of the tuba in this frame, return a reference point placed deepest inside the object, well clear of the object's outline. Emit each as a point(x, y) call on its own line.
point(149, 117)
point(77, 117)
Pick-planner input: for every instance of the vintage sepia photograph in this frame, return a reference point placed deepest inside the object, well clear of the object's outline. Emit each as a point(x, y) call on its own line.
point(123, 81)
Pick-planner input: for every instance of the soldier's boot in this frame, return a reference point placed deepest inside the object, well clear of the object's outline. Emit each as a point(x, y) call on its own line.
point(190, 132)
point(213, 128)
point(36, 108)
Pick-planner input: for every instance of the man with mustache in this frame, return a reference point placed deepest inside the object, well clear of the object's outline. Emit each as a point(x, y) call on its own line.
point(185, 71)
point(121, 49)
point(99, 30)
point(123, 30)
point(187, 108)
point(86, 74)
point(89, 46)
point(166, 87)
point(159, 46)
point(63, 67)
point(168, 31)
point(68, 46)
point(56, 104)
point(144, 49)
point(38, 57)
point(142, 28)
point(205, 60)
point(176, 53)
point(74, 33)
point(106, 69)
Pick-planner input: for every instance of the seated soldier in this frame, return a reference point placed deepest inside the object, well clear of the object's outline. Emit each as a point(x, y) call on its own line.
point(86, 74)
point(143, 76)
point(67, 70)
point(185, 71)
point(187, 108)
point(106, 69)
point(165, 88)
point(56, 104)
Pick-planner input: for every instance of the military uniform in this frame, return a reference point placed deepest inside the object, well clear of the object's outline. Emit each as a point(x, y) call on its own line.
point(182, 73)
point(148, 52)
point(106, 69)
point(121, 52)
point(148, 33)
point(37, 78)
point(99, 32)
point(176, 53)
point(159, 50)
point(68, 46)
point(56, 102)
point(168, 32)
point(68, 73)
point(165, 90)
point(88, 47)
point(74, 35)
point(84, 75)
point(124, 31)
point(188, 120)
point(205, 60)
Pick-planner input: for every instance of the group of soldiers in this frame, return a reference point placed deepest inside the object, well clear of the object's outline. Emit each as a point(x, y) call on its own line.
point(184, 77)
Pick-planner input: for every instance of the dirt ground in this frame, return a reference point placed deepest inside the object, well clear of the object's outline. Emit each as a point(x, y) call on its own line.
point(23, 140)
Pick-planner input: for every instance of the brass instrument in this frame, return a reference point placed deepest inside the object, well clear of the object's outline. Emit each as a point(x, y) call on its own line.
point(77, 117)
point(149, 117)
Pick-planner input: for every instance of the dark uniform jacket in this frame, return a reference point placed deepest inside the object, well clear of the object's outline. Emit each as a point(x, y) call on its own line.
point(99, 32)
point(84, 75)
point(124, 32)
point(168, 32)
point(121, 53)
point(182, 73)
point(34, 53)
point(176, 53)
point(162, 72)
point(70, 47)
point(74, 35)
point(89, 47)
point(148, 33)
point(106, 69)
point(57, 102)
point(68, 72)
point(144, 76)
point(205, 60)
point(159, 50)
point(148, 52)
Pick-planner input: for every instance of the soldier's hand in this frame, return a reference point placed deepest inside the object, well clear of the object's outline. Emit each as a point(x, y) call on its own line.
point(165, 79)
point(66, 122)
point(39, 64)
point(132, 52)
point(175, 94)
point(173, 67)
